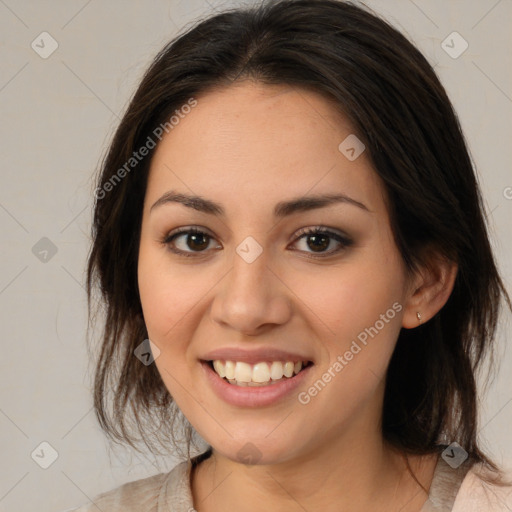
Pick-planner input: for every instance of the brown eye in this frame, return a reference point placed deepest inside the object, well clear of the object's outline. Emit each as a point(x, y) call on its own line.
point(318, 242)
point(197, 241)
point(322, 242)
point(186, 242)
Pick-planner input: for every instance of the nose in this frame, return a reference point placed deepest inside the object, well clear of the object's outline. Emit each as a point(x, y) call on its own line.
point(251, 298)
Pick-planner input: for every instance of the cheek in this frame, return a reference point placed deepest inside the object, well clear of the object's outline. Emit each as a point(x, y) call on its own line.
point(165, 296)
point(173, 299)
point(363, 315)
point(353, 296)
point(359, 307)
point(167, 314)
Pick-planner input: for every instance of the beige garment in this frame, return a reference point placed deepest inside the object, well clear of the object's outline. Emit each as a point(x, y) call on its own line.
point(462, 489)
point(452, 490)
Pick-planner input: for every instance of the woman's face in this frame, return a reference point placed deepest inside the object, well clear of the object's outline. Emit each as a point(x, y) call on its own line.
point(253, 288)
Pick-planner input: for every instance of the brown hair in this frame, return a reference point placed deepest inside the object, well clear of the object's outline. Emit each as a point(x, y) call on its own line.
point(401, 112)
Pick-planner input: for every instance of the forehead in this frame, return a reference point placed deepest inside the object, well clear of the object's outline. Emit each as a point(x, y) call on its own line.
point(262, 142)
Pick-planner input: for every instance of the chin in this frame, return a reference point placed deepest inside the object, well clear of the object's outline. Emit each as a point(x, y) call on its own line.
point(253, 451)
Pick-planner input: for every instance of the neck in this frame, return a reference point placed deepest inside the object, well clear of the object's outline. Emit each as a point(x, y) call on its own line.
point(348, 475)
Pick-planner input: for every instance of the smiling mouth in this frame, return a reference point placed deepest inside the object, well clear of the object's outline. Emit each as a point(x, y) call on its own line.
point(264, 373)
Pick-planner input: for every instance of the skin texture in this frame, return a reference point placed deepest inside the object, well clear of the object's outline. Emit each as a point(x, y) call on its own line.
point(249, 147)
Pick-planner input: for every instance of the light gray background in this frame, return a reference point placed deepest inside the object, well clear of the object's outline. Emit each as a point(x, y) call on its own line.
point(57, 116)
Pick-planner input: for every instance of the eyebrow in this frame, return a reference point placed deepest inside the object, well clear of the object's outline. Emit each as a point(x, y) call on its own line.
point(281, 209)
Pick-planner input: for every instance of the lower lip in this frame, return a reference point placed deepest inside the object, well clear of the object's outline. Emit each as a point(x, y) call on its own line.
point(253, 396)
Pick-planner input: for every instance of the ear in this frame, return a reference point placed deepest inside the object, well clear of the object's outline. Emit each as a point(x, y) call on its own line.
point(430, 289)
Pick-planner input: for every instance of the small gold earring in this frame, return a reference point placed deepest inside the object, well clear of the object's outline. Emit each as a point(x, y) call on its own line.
point(418, 314)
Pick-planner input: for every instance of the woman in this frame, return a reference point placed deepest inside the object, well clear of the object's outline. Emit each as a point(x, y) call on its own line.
point(290, 243)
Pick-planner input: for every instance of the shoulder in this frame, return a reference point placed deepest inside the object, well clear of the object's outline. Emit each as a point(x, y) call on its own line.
point(145, 495)
point(478, 493)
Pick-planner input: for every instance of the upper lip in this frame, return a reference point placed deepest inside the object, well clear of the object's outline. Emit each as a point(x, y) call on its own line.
point(254, 356)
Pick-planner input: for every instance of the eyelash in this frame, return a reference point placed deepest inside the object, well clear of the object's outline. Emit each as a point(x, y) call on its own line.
point(303, 233)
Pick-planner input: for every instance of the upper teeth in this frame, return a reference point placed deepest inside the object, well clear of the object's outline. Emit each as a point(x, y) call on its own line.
point(259, 372)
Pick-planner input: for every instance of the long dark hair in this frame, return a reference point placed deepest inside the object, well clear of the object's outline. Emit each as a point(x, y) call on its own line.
point(400, 110)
